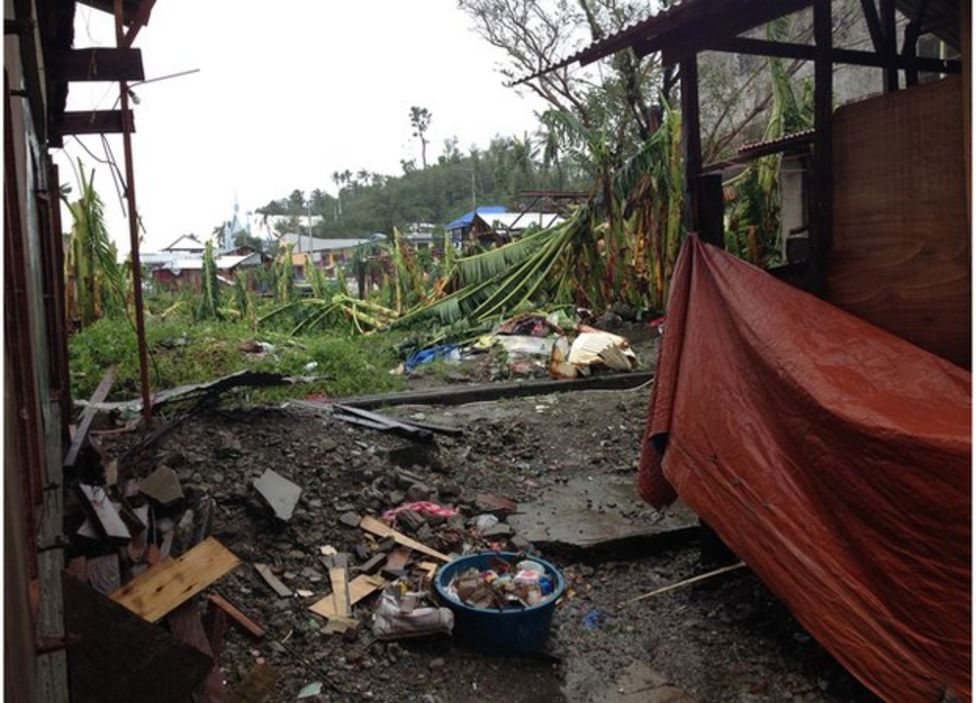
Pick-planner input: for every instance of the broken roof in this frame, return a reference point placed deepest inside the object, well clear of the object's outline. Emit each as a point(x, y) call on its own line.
point(696, 25)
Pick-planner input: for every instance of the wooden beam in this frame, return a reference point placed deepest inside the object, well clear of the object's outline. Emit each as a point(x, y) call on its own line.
point(93, 122)
point(140, 20)
point(823, 100)
point(711, 206)
point(910, 48)
point(102, 64)
point(786, 50)
point(738, 17)
point(691, 139)
point(874, 24)
point(88, 416)
point(889, 26)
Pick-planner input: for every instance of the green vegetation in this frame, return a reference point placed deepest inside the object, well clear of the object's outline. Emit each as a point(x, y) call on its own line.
point(183, 352)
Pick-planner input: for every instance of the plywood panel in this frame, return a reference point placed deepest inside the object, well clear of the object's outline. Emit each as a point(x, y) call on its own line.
point(172, 582)
point(900, 256)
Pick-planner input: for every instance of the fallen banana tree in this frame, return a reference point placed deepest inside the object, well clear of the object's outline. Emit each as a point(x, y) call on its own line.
point(618, 246)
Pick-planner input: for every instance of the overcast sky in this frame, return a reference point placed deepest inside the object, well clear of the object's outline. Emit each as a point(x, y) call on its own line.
point(287, 93)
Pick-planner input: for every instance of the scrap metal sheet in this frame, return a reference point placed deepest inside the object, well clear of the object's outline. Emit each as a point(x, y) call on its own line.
point(832, 457)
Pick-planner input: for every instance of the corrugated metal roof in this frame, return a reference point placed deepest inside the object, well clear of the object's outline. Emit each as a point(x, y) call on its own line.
point(768, 144)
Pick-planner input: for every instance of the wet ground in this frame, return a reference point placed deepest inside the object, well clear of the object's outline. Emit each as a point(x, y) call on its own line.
point(569, 460)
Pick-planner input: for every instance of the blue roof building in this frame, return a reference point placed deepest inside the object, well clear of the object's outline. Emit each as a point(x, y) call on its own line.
point(463, 223)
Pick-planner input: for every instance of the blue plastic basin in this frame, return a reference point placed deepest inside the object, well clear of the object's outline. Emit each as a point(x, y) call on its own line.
point(492, 630)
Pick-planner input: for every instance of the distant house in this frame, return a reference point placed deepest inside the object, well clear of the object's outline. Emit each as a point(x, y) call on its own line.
point(504, 227)
point(327, 252)
point(460, 227)
point(186, 244)
point(187, 273)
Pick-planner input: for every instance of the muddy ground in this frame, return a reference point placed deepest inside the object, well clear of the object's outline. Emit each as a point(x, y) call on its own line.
point(726, 640)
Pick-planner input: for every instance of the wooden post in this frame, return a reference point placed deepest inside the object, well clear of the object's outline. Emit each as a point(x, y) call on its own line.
point(888, 25)
point(691, 137)
point(130, 193)
point(821, 220)
point(711, 205)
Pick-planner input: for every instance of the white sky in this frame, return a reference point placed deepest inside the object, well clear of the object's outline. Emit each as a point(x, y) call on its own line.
point(287, 93)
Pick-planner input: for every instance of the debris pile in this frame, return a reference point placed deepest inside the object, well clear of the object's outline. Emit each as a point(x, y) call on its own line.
point(536, 344)
point(503, 585)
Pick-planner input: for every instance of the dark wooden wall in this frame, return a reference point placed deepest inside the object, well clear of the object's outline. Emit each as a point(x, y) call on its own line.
point(901, 242)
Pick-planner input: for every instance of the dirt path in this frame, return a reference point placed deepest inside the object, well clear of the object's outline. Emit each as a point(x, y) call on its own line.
point(725, 640)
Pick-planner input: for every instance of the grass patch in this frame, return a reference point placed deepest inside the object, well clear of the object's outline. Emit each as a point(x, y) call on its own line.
point(183, 351)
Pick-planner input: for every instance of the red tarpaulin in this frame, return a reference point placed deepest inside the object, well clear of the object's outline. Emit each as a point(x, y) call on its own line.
point(832, 457)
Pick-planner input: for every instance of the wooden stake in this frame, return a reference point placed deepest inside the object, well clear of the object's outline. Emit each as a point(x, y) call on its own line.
point(686, 582)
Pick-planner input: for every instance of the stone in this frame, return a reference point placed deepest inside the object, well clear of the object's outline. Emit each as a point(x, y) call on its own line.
point(418, 492)
point(280, 494)
point(498, 531)
point(350, 519)
point(437, 663)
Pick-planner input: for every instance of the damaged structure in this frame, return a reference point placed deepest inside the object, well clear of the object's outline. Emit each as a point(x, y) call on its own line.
point(827, 441)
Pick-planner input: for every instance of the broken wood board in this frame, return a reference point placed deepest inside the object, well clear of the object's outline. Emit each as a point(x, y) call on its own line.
point(396, 561)
point(359, 588)
point(162, 485)
point(339, 578)
point(186, 625)
point(88, 416)
point(172, 582)
point(273, 581)
point(104, 516)
point(376, 527)
point(279, 493)
point(123, 658)
point(237, 616)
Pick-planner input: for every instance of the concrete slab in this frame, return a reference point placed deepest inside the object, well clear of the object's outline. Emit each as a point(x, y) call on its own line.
point(598, 512)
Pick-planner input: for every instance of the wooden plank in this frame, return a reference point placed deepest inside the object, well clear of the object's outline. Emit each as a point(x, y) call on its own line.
point(339, 578)
point(122, 657)
point(273, 581)
point(381, 529)
point(93, 122)
point(237, 616)
point(359, 588)
point(101, 64)
point(88, 415)
point(172, 582)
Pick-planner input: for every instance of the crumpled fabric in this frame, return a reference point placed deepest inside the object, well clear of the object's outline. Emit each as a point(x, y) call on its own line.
point(833, 457)
point(420, 506)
